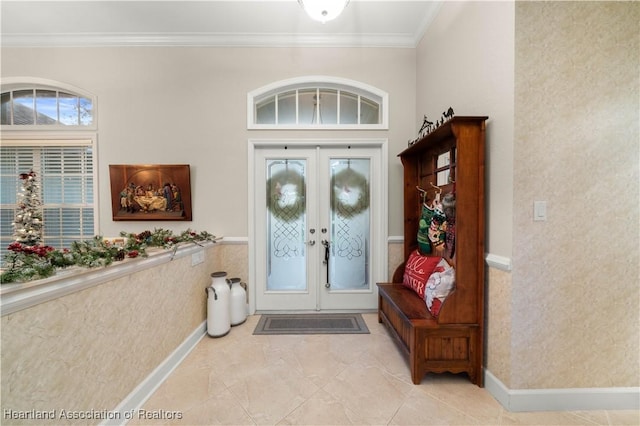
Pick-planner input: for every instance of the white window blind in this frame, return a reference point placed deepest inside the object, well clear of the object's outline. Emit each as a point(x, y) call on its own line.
point(64, 170)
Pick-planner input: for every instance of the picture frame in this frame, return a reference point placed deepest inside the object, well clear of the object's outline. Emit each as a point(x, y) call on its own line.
point(150, 192)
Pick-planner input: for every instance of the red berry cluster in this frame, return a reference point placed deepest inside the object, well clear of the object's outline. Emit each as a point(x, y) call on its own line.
point(37, 250)
point(25, 176)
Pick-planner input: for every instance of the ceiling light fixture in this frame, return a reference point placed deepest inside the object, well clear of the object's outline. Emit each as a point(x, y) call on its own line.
point(323, 10)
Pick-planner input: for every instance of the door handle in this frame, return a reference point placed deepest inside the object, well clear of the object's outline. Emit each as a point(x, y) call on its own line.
point(326, 245)
point(325, 261)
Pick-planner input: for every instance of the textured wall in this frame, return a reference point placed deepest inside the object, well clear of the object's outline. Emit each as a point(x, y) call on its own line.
point(498, 324)
point(396, 257)
point(234, 257)
point(89, 350)
point(575, 277)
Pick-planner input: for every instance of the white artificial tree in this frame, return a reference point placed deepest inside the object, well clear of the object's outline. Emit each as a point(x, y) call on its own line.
point(28, 221)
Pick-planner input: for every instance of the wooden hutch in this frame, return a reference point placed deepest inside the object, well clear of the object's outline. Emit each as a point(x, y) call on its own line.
point(452, 158)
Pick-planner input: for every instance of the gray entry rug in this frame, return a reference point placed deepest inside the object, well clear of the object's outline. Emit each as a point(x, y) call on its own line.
point(311, 324)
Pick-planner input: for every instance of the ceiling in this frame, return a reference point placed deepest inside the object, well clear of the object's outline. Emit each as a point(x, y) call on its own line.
point(367, 23)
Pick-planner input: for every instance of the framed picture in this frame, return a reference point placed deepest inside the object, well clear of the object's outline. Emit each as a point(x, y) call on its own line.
point(150, 192)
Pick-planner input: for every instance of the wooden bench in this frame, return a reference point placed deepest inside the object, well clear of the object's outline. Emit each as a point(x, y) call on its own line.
point(432, 347)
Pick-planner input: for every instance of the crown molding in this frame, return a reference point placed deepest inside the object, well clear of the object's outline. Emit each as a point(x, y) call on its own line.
point(206, 40)
point(426, 22)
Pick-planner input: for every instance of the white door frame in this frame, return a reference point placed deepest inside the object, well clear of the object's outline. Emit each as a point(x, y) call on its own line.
point(380, 267)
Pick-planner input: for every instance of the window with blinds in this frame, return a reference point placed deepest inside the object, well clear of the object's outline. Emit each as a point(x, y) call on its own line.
point(65, 172)
point(46, 127)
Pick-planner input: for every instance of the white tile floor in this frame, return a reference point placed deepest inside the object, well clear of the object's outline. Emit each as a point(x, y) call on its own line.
point(356, 379)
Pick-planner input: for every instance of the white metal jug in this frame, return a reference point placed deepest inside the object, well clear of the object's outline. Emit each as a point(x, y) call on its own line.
point(218, 316)
point(238, 301)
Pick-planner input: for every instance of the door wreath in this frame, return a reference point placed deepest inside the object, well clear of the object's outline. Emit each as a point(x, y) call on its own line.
point(286, 195)
point(345, 183)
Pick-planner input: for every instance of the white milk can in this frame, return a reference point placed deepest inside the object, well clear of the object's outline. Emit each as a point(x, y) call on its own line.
point(238, 301)
point(218, 317)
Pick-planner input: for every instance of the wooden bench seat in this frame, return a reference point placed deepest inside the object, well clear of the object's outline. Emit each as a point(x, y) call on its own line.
point(432, 347)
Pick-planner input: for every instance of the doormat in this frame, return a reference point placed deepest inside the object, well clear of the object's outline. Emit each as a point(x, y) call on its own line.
point(311, 324)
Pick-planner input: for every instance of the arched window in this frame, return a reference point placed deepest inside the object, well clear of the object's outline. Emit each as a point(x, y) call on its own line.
point(317, 102)
point(43, 104)
point(46, 128)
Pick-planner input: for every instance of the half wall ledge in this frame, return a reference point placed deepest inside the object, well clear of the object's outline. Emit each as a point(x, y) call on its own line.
point(18, 296)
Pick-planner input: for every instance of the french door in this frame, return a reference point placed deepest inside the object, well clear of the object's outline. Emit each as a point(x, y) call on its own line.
point(319, 232)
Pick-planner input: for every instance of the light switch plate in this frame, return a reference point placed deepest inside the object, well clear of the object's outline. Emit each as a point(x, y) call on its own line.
point(539, 210)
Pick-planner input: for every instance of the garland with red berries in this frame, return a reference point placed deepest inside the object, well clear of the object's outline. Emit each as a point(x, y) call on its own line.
point(32, 262)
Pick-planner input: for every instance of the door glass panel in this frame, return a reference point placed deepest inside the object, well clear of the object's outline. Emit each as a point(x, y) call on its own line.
point(286, 224)
point(349, 224)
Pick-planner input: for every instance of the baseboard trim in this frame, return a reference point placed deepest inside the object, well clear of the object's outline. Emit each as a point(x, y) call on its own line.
point(498, 262)
point(571, 399)
point(127, 409)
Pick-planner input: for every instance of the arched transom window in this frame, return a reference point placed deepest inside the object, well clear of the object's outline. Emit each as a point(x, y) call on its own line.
point(41, 104)
point(317, 102)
